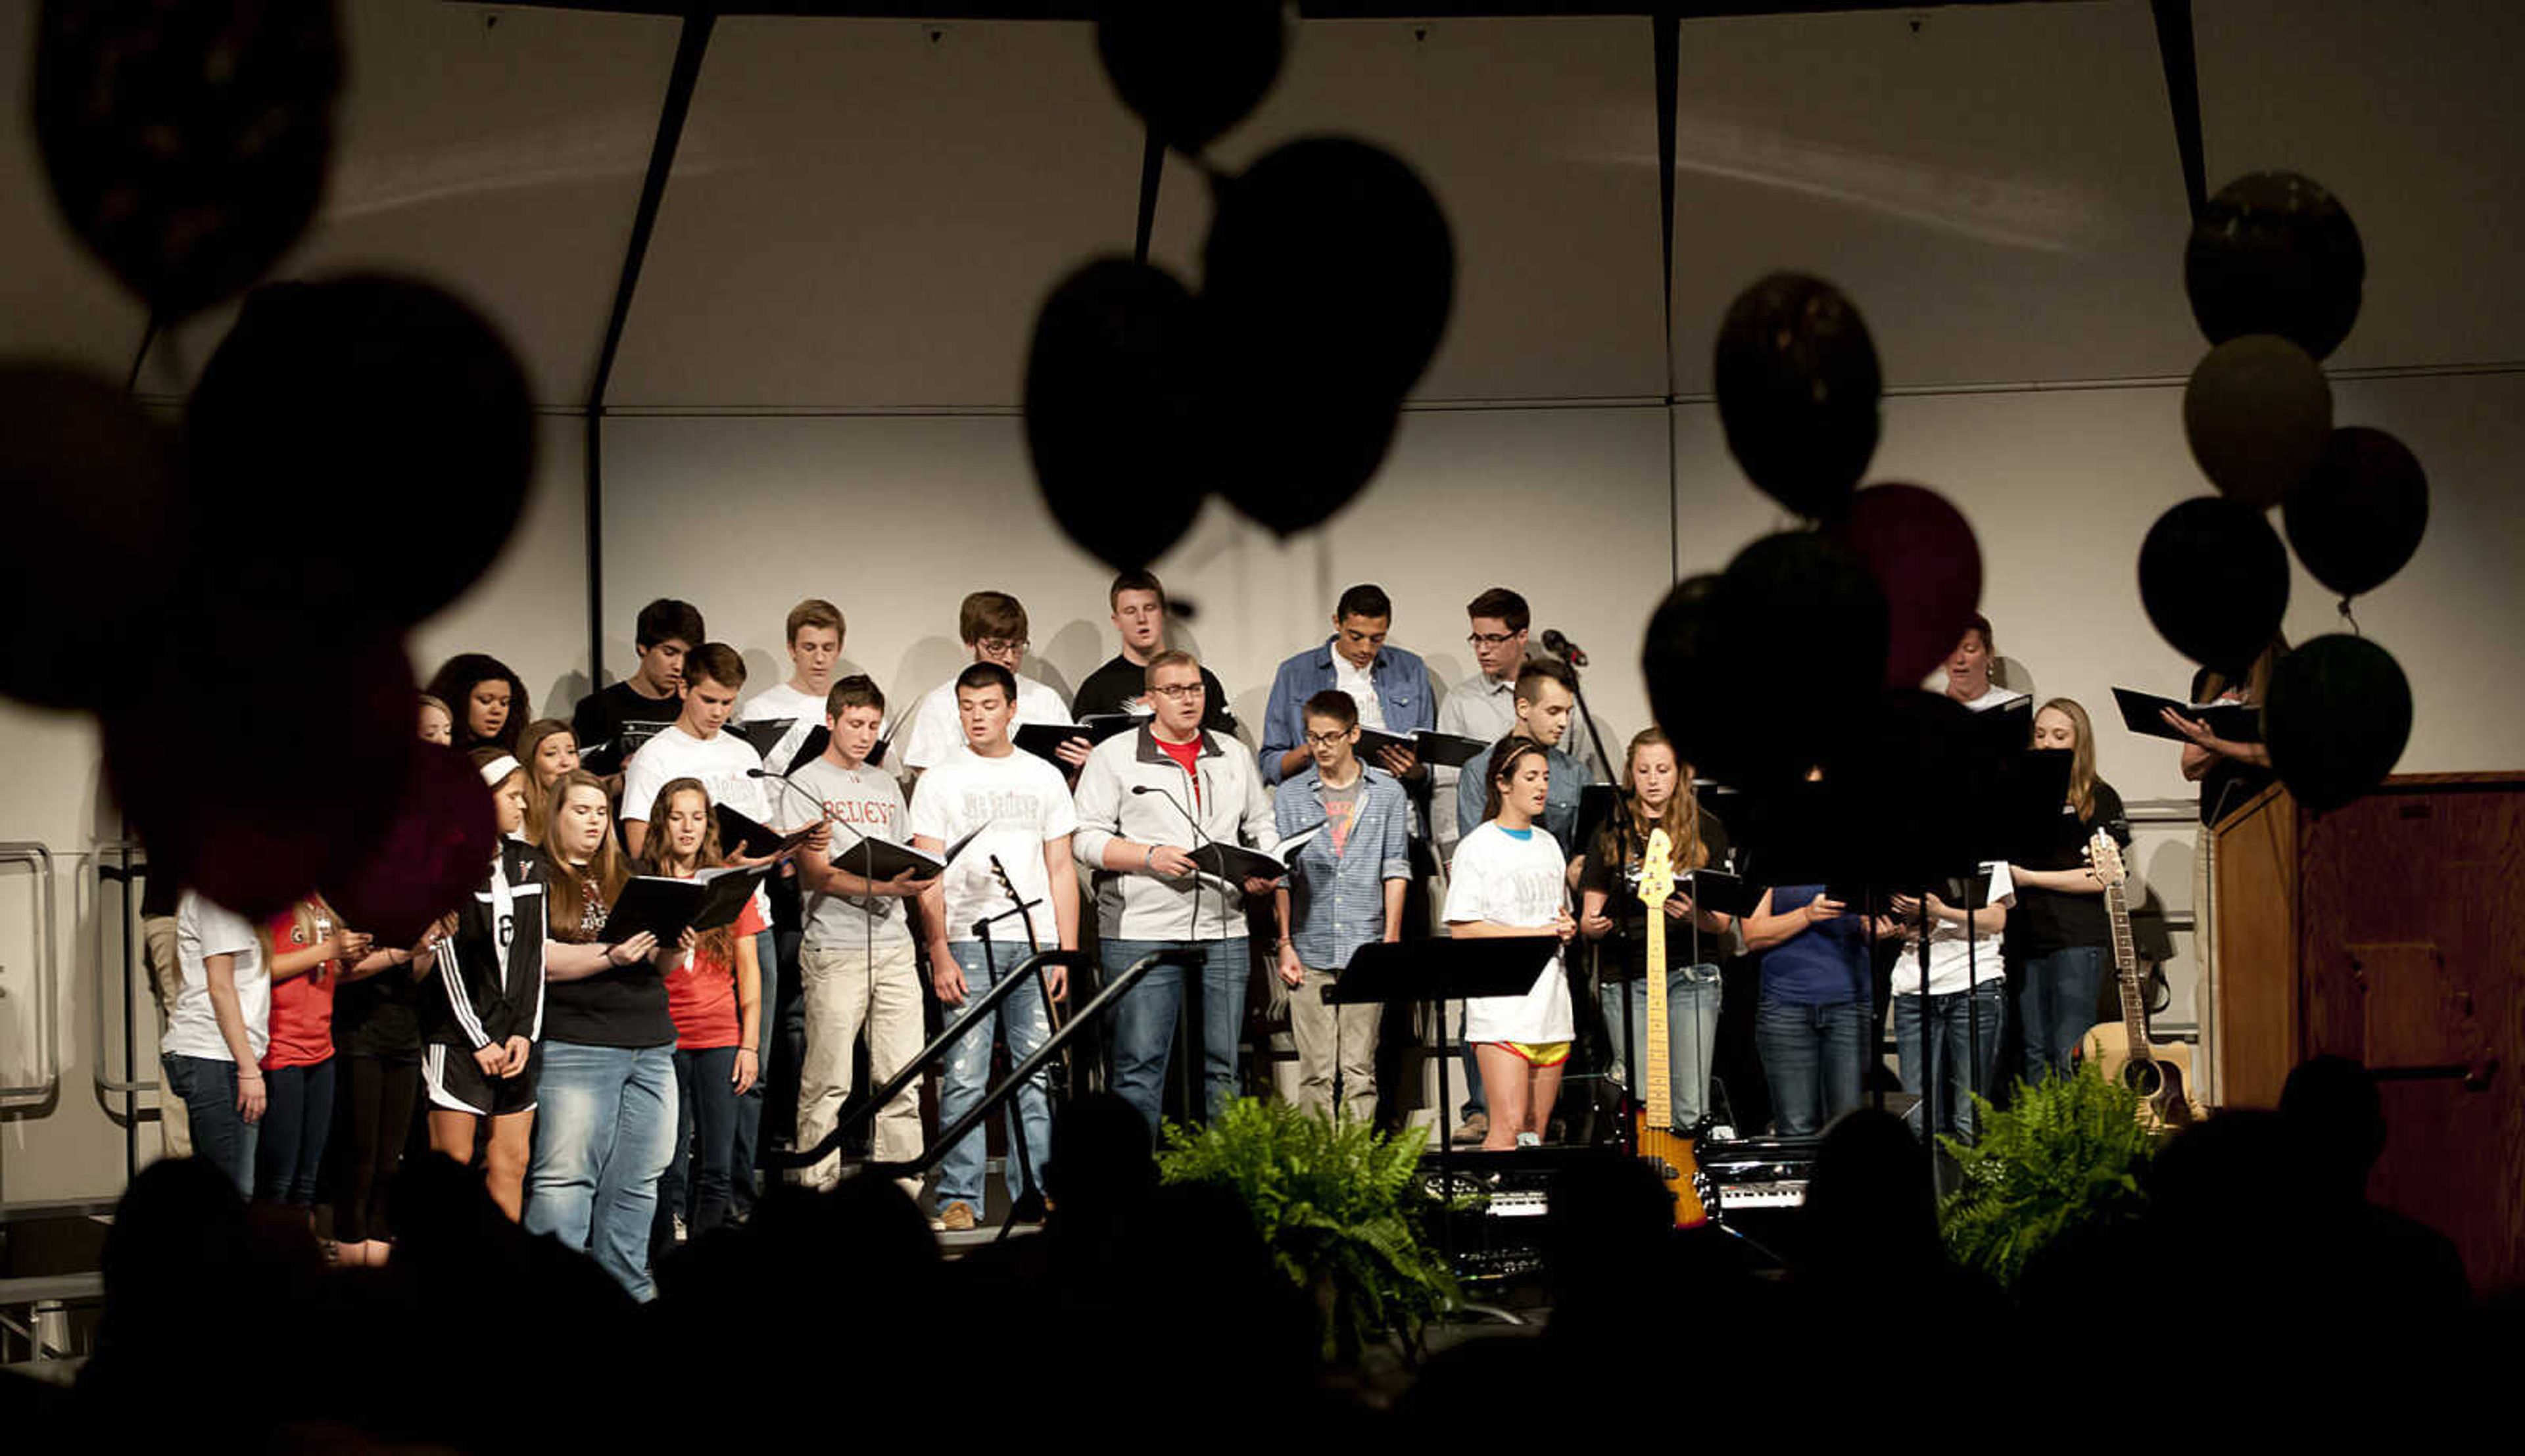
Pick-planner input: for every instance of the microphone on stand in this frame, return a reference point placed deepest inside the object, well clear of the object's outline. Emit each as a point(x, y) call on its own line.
point(1562, 648)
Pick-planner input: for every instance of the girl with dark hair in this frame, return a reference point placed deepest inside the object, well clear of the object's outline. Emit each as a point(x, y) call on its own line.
point(488, 699)
point(1510, 878)
point(713, 996)
point(2057, 936)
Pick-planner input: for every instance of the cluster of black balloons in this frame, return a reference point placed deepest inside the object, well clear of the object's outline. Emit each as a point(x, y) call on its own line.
point(228, 594)
point(2276, 272)
point(1327, 276)
point(1808, 651)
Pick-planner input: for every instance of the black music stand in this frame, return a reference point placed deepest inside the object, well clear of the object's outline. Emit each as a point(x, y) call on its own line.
point(1437, 971)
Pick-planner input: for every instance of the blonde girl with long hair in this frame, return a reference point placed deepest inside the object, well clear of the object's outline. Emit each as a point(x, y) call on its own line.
point(2058, 934)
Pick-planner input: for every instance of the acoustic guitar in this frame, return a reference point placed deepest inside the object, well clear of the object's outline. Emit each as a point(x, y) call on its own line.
point(2161, 1072)
point(1666, 1148)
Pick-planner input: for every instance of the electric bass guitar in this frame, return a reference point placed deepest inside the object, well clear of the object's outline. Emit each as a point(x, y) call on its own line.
point(1667, 1147)
point(2161, 1072)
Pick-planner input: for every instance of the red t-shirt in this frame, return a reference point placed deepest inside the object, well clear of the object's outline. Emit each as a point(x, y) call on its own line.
point(1186, 755)
point(302, 1006)
point(701, 993)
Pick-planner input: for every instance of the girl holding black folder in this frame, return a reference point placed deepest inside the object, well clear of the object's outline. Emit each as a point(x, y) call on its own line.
point(2057, 936)
point(713, 996)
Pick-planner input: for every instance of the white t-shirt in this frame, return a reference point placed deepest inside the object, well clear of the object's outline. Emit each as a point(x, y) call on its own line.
point(1952, 971)
point(1360, 684)
point(860, 800)
point(781, 700)
point(931, 730)
point(1499, 877)
point(204, 930)
point(1026, 801)
point(722, 762)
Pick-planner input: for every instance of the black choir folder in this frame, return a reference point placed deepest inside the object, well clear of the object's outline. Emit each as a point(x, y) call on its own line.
point(739, 835)
point(872, 858)
point(763, 735)
point(665, 907)
point(1236, 863)
point(2141, 714)
point(1044, 740)
point(1445, 750)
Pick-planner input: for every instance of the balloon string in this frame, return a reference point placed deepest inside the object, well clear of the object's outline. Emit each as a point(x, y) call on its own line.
point(2351, 620)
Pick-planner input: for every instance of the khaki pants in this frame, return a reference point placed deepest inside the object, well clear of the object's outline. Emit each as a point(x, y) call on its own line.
point(1322, 1033)
point(167, 982)
point(847, 994)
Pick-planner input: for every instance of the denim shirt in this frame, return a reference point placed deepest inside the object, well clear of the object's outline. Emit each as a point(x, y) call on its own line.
point(1560, 805)
point(1402, 689)
point(1337, 902)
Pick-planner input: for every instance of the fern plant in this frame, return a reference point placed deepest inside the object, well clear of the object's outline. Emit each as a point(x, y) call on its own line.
point(1339, 1209)
point(2068, 1154)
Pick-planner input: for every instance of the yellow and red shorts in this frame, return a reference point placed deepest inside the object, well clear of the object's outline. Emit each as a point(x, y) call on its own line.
point(1539, 1054)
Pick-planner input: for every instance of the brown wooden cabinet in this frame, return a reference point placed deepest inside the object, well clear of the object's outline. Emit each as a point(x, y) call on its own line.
point(2392, 931)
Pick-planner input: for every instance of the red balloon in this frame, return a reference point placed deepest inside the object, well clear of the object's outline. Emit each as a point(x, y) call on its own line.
point(436, 850)
point(1922, 551)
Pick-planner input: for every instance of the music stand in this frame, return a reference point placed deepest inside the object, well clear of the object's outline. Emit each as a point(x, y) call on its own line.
point(1436, 971)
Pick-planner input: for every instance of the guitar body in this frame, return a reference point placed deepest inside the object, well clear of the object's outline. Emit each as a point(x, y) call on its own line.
point(2162, 1076)
point(1668, 1154)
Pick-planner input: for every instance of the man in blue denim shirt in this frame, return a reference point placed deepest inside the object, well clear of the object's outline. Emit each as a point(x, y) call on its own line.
point(1346, 886)
point(1390, 686)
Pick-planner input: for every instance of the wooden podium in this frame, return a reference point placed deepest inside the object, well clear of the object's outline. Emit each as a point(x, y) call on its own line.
point(2392, 931)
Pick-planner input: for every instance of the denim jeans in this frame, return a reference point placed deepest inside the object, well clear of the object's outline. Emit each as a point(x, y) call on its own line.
point(749, 1109)
point(208, 1088)
point(289, 1146)
point(1144, 1024)
point(1954, 1037)
point(1812, 1058)
point(695, 1183)
point(2057, 996)
point(1020, 1019)
point(1692, 1035)
point(605, 1128)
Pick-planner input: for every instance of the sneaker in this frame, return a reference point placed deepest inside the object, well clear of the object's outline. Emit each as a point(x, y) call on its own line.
point(1475, 1128)
point(957, 1218)
point(681, 1234)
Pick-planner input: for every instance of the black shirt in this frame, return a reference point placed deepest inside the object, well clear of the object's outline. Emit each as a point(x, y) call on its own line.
point(618, 1006)
point(2049, 920)
point(1110, 688)
point(377, 1015)
point(2227, 784)
point(601, 716)
point(1629, 939)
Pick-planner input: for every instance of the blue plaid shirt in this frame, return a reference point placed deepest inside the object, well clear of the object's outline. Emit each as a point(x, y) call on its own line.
point(1337, 902)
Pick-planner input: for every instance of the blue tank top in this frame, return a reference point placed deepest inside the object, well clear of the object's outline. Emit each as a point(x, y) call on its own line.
point(1821, 965)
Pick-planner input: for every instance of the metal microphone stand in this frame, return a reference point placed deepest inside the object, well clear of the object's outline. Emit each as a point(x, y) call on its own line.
point(1028, 1206)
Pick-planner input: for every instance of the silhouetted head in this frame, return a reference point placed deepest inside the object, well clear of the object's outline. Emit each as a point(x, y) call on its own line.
point(2331, 1105)
point(1869, 1201)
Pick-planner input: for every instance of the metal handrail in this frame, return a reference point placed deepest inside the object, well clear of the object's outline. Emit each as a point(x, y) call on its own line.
point(47, 980)
point(130, 1084)
point(1020, 1074)
point(981, 1006)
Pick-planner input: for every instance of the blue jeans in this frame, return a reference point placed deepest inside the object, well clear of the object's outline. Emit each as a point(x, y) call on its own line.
point(1144, 1024)
point(1956, 1035)
point(2058, 994)
point(223, 1138)
point(1812, 1058)
point(695, 1183)
point(749, 1109)
point(297, 1118)
point(1692, 1035)
point(605, 1128)
point(1020, 1019)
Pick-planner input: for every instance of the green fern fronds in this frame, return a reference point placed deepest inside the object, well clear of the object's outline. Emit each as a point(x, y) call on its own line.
point(2065, 1155)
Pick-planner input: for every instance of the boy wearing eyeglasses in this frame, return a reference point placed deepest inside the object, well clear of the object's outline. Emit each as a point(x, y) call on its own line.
point(992, 628)
point(1147, 800)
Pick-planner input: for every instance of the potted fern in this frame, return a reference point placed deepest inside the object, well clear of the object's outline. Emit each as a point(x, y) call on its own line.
point(1339, 1208)
point(2066, 1154)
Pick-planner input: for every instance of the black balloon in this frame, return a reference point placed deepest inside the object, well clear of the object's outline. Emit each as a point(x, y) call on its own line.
point(2275, 254)
point(1289, 457)
point(1328, 262)
point(1924, 557)
point(186, 143)
point(1111, 402)
point(384, 391)
point(2257, 413)
point(1797, 625)
point(260, 759)
point(432, 853)
point(2336, 718)
point(1191, 71)
point(2214, 579)
point(2360, 514)
point(1798, 391)
point(94, 496)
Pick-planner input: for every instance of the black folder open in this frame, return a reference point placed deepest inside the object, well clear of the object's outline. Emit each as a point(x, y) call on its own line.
point(1236, 863)
point(2237, 722)
point(1044, 740)
point(740, 835)
point(764, 734)
point(873, 858)
point(666, 906)
point(1443, 749)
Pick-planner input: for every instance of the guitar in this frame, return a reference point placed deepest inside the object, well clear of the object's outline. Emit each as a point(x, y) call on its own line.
point(2161, 1072)
point(1668, 1150)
